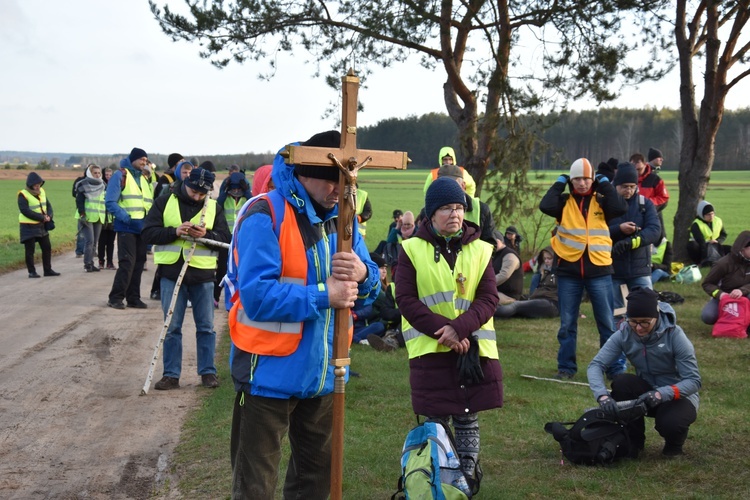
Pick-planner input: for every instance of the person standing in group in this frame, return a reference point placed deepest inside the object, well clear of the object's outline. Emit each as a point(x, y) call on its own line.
point(448, 157)
point(168, 177)
point(584, 255)
point(666, 376)
point(91, 210)
point(650, 184)
point(445, 291)
point(181, 213)
point(232, 196)
point(632, 236)
point(291, 278)
point(35, 219)
point(128, 199)
point(107, 235)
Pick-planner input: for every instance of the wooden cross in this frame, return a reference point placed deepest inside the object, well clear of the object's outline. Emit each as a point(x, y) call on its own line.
point(348, 159)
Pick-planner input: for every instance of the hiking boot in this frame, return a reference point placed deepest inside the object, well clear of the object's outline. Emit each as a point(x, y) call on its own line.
point(34, 275)
point(111, 267)
point(210, 381)
point(382, 344)
point(51, 273)
point(156, 295)
point(563, 375)
point(91, 269)
point(115, 305)
point(672, 450)
point(138, 304)
point(167, 383)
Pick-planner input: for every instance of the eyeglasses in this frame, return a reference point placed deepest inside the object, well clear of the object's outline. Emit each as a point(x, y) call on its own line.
point(642, 323)
point(449, 210)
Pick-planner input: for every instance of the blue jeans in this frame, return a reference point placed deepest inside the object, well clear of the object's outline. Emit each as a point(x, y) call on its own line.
point(376, 328)
point(658, 274)
point(202, 297)
point(90, 232)
point(569, 294)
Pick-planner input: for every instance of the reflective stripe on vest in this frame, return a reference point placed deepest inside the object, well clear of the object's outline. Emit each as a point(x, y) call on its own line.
point(136, 199)
point(35, 205)
point(95, 210)
point(273, 338)
point(203, 257)
point(437, 289)
point(709, 232)
point(574, 234)
point(231, 209)
point(361, 199)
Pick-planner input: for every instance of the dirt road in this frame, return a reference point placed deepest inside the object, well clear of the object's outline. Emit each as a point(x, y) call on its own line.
point(72, 422)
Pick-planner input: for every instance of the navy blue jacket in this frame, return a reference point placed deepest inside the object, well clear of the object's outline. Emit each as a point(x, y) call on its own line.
point(635, 262)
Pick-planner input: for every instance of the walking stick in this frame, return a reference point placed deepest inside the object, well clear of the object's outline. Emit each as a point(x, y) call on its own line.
point(173, 301)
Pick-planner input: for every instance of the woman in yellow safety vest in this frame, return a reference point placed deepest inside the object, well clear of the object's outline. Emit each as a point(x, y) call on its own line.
point(707, 236)
point(91, 210)
point(35, 219)
point(445, 290)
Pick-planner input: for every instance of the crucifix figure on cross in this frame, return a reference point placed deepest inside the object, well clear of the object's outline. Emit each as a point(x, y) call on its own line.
point(348, 160)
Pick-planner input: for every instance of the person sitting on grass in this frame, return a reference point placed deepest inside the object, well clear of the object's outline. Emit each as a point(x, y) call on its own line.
point(542, 303)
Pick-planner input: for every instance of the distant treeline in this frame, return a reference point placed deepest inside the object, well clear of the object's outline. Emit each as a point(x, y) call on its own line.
point(596, 135)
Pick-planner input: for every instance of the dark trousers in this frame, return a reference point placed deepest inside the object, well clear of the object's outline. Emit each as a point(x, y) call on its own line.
point(131, 252)
point(258, 426)
point(106, 245)
point(46, 246)
point(532, 308)
point(673, 418)
point(221, 271)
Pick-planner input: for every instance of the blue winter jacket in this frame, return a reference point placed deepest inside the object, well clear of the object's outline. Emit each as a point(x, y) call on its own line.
point(307, 372)
point(123, 223)
point(635, 262)
point(665, 358)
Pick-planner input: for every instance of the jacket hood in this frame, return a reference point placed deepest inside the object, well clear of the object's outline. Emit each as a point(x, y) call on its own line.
point(261, 180)
point(446, 151)
point(699, 209)
point(287, 183)
point(741, 242)
point(34, 178)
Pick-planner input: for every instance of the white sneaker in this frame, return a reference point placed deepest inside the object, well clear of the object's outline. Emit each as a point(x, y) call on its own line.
point(364, 342)
point(190, 304)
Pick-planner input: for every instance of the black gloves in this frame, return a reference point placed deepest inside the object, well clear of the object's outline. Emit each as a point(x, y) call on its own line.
point(650, 399)
point(609, 406)
point(622, 246)
point(469, 368)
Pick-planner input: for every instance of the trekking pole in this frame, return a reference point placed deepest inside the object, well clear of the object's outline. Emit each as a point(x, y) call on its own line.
point(173, 301)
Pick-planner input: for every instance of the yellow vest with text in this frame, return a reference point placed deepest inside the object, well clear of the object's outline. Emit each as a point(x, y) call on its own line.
point(203, 257)
point(136, 198)
point(709, 233)
point(35, 205)
point(438, 290)
point(574, 234)
point(231, 209)
point(361, 199)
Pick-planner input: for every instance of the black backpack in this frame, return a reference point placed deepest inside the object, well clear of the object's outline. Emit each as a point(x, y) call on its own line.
point(597, 438)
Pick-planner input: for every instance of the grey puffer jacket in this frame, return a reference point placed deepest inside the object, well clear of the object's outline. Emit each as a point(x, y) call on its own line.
point(665, 359)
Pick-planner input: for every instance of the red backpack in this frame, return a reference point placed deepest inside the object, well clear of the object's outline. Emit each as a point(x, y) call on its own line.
point(734, 317)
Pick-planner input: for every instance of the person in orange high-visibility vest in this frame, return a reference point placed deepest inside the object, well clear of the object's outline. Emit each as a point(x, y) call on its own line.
point(583, 247)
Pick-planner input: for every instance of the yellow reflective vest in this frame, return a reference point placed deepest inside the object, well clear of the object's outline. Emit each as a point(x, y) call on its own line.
point(574, 234)
point(231, 209)
point(439, 290)
point(203, 257)
point(136, 198)
point(37, 205)
point(711, 232)
point(361, 199)
point(95, 209)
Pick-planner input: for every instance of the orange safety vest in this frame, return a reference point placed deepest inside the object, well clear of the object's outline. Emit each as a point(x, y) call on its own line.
point(266, 337)
point(574, 234)
point(434, 172)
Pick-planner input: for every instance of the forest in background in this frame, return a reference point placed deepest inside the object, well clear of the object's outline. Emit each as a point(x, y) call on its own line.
point(593, 134)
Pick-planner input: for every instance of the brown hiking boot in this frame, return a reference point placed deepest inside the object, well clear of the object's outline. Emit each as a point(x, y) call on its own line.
point(210, 380)
point(167, 383)
point(382, 344)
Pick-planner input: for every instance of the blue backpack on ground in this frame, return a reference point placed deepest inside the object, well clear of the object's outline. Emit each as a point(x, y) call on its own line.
point(430, 468)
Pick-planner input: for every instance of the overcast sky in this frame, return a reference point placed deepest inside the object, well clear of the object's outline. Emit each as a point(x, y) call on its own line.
point(99, 76)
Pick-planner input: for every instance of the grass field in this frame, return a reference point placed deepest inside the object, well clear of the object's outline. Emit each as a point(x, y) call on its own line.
point(519, 459)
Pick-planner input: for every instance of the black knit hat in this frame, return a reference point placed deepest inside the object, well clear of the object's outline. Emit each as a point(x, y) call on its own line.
point(443, 191)
point(200, 180)
point(174, 159)
point(654, 153)
point(329, 139)
point(643, 303)
point(137, 153)
point(607, 170)
point(208, 165)
point(377, 259)
point(707, 208)
point(626, 174)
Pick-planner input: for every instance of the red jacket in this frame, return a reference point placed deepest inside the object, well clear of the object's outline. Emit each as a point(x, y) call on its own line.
point(652, 187)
